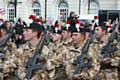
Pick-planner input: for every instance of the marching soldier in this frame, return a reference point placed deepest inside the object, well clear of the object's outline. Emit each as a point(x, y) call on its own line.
point(78, 40)
point(5, 44)
point(3, 32)
point(66, 36)
point(55, 57)
point(8, 25)
point(109, 71)
point(119, 51)
point(16, 62)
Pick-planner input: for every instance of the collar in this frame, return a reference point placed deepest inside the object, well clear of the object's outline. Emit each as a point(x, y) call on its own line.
point(68, 41)
point(73, 48)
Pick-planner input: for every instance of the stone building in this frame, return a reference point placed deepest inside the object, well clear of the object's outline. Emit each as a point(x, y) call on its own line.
point(51, 9)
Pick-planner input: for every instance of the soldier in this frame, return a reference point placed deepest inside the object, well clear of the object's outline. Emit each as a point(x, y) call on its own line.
point(16, 62)
point(3, 30)
point(71, 19)
point(6, 46)
point(109, 71)
point(118, 40)
point(55, 56)
point(8, 25)
point(55, 36)
point(78, 40)
point(2, 35)
point(66, 36)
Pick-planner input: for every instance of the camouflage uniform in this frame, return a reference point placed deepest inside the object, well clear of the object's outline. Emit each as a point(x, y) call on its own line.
point(56, 60)
point(9, 62)
point(119, 63)
point(106, 73)
point(96, 46)
point(67, 43)
point(1, 69)
point(72, 55)
point(7, 48)
point(15, 62)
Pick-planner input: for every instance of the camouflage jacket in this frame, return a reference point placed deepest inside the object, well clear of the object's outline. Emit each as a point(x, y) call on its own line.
point(16, 59)
point(106, 73)
point(72, 55)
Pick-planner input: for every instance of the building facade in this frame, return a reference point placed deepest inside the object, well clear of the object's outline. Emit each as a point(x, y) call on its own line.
point(53, 9)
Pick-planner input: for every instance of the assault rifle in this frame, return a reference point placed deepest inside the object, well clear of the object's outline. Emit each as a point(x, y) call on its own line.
point(31, 64)
point(7, 37)
point(81, 60)
point(110, 47)
point(4, 41)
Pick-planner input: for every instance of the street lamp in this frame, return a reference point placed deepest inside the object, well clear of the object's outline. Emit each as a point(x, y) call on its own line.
point(88, 6)
point(79, 6)
point(45, 9)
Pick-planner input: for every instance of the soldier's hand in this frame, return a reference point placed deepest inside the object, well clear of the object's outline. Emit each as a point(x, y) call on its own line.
point(106, 61)
point(77, 77)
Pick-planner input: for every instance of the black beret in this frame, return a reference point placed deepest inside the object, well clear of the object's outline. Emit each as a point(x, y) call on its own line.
point(36, 26)
point(80, 30)
point(3, 27)
point(18, 29)
point(57, 31)
point(103, 26)
point(64, 28)
point(88, 30)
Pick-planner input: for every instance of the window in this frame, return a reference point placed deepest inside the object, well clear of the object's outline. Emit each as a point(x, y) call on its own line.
point(93, 8)
point(10, 11)
point(36, 8)
point(63, 11)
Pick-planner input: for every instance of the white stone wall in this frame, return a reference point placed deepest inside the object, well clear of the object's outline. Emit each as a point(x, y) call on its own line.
point(108, 4)
point(24, 9)
point(74, 6)
point(84, 7)
point(52, 9)
point(118, 4)
point(3, 5)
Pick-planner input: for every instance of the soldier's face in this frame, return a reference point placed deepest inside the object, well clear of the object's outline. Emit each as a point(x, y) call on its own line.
point(29, 34)
point(8, 25)
point(56, 37)
point(64, 34)
point(2, 32)
point(98, 32)
point(77, 37)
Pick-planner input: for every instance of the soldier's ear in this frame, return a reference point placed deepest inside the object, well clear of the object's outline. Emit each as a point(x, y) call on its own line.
point(82, 35)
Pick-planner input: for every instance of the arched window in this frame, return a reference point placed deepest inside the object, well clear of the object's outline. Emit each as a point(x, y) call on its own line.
point(36, 8)
point(93, 8)
point(10, 11)
point(63, 11)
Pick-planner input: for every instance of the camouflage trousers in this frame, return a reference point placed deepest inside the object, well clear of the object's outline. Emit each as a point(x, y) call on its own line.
point(10, 76)
point(1, 76)
point(60, 73)
point(119, 70)
point(107, 74)
point(119, 75)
